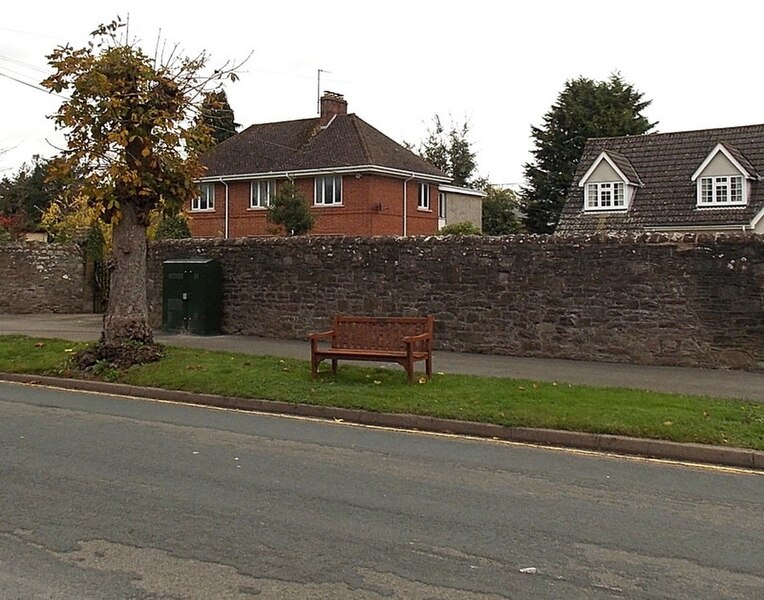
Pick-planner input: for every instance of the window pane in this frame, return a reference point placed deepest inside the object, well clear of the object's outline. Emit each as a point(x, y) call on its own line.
point(605, 194)
point(707, 190)
point(264, 193)
point(424, 195)
point(720, 189)
point(618, 199)
point(736, 189)
point(206, 198)
point(592, 201)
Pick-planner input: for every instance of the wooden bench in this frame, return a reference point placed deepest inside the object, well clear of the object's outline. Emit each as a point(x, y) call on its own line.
point(403, 340)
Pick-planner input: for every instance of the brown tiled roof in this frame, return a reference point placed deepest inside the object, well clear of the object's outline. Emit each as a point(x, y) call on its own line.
point(302, 145)
point(626, 167)
point(665, 163)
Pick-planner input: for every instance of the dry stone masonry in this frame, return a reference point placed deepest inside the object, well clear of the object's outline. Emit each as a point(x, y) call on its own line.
point(41, 278)
point(693, 299)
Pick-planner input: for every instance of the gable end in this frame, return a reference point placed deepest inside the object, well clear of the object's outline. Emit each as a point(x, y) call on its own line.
point(722, 161)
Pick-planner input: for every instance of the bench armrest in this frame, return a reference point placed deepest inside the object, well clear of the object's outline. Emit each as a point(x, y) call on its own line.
point(315, 337)
point(321, 335)
point(411, 342)
point(412, 339)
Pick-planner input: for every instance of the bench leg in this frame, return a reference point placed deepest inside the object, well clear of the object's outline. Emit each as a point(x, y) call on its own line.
point(409, 366)
point(428, 363)
point(313, 366)
point(334, 366)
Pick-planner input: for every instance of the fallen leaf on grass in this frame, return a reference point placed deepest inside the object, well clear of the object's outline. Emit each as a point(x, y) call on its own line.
point(194, 367)
point(423, 380)
point(68, 349)
point(521, 388)
point(39, 345)
point(668, 423)
point(377, 382)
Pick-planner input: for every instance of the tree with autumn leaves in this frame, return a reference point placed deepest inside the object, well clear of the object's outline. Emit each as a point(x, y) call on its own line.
point(134, 138)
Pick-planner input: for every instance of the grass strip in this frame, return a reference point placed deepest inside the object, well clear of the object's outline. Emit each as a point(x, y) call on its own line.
point(503, 401)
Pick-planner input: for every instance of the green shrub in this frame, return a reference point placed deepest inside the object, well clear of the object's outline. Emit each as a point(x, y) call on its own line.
point(465, 228)
point(173, 227)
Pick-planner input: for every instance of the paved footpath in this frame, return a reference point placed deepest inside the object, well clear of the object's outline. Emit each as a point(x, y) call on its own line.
point(703, 382)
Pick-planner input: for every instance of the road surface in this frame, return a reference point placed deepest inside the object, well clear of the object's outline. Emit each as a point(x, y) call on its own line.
point(107, 497)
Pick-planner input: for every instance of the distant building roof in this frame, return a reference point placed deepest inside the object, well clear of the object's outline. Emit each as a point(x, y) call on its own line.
point(664, 163)
point(346, 142)
point(455, 189)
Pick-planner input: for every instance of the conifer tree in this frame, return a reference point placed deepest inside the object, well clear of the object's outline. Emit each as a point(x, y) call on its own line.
point(584, 109)
point(218, 115)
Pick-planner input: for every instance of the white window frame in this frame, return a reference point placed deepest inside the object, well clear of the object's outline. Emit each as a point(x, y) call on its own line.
point(441, 205)
point(716, 191)
point(205, 200)
point(319, 191)
point(423, 197)
point(260, 193)
point(605, 195)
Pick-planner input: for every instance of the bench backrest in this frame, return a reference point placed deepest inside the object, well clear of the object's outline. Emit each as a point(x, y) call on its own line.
point(379, 333)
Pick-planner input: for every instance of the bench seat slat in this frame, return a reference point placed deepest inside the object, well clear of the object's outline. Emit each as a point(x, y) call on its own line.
point(357, 353)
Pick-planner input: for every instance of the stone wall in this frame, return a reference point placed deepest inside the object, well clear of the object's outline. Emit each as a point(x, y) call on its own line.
point(694, 300)
point(40, 278)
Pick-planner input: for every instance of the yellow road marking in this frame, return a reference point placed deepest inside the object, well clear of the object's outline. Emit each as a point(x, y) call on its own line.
point(578, 451)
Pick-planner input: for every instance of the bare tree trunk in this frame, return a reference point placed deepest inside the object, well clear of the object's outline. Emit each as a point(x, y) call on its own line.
point(126, 318)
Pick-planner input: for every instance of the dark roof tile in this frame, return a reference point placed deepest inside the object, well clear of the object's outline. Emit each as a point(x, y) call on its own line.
point(348, 141)
point(665, 163)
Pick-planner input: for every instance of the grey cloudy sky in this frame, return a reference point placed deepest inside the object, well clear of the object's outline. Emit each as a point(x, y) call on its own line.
point(499, 65)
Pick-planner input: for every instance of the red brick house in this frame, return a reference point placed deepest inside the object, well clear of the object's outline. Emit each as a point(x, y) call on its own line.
point(356, 179)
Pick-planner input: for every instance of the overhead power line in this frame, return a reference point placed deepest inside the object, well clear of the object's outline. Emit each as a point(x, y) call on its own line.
point(31, 85)
point(36, 34)
point(21, 63)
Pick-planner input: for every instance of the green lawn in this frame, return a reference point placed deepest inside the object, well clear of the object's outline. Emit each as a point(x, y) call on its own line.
point(492, 400)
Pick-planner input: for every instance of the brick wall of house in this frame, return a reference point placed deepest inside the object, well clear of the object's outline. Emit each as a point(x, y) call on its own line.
point(694, 300)
point(372, 205)
point(42, 278)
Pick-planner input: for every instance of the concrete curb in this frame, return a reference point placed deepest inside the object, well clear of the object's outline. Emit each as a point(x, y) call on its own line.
point(615, 444)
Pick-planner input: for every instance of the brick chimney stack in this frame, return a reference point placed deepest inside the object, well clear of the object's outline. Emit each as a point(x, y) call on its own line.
point(332, 104)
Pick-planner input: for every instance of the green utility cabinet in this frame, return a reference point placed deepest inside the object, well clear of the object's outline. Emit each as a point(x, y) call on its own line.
point(192, 301)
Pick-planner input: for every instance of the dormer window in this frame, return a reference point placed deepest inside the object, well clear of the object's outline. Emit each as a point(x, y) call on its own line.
point(722, 178)
point(605, 195)
point(721, 190)
point(610, 183)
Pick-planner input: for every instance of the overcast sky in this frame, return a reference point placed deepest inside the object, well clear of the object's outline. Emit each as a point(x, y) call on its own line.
point(498, 65)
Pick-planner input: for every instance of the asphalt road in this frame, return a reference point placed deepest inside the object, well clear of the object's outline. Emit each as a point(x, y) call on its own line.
point(105, 497)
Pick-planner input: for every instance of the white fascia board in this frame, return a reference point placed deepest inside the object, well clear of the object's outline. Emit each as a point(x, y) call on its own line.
point(375, 169)
point(759, 216)
point(691, 228)
point(603, 156)
point(710, 157)
point(453, 189)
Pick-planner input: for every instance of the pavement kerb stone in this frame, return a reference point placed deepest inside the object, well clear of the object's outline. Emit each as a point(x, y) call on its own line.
point(615, 444)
